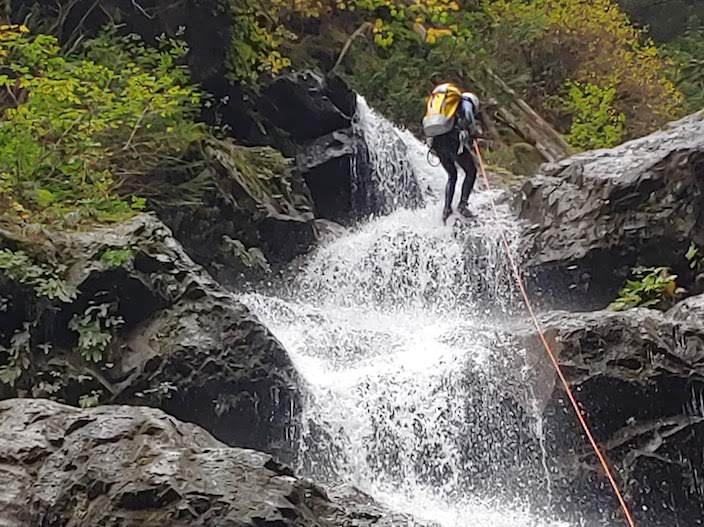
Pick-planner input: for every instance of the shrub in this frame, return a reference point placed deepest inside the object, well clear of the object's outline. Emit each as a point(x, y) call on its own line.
point(46, 280)
point(263, 30)
point(78, 132)
point(595, 121)
point(654, 287)
point(590, 42)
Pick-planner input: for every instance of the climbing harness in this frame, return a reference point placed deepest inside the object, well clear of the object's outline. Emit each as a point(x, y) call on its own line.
point(431, 155)
point(464, 143)
point(551, 354)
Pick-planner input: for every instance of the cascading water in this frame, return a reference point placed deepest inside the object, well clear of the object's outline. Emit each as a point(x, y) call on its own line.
point(384, 178)
point(412, 394)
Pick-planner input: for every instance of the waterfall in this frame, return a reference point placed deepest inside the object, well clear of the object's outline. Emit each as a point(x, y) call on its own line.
point(415, 393)
point(383, 176)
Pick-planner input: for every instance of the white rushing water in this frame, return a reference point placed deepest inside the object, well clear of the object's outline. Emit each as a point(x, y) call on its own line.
point(413, 394)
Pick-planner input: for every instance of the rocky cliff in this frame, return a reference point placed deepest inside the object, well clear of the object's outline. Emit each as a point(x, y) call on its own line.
point(637, 374)
point(138, 317)
point(592, 217)
point(638, 377)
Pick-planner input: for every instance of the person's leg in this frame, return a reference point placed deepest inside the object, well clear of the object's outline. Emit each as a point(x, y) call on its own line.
point(466, 161)
point(448, 163)
point(445, 147)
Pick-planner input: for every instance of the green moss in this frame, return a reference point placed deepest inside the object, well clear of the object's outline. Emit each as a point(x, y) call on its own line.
point(262, 173)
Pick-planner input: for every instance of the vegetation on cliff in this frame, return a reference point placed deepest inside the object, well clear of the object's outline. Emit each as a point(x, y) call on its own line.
point(81, 132)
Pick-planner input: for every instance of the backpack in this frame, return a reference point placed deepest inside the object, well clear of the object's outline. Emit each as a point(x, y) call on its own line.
point(440, 110)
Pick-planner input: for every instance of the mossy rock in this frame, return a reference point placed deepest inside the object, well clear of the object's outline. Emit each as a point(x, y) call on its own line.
point(248, 199)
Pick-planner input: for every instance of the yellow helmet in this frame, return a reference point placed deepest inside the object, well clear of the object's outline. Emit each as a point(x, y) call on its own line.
point(447, 87)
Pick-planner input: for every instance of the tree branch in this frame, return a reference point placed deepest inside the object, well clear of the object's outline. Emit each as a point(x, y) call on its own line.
point(361, 29)
point(136, 125)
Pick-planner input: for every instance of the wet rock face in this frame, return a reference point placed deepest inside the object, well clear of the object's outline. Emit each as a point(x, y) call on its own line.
point(253, 195)
point(138, 467)
point(639, 377)
point(308, 117)
point(184, 343)
point(315, 113)
point(307, 105)
point(595, 215)
point(328, 163)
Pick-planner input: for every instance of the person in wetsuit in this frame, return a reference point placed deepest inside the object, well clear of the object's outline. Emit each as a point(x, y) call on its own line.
point(454, 148)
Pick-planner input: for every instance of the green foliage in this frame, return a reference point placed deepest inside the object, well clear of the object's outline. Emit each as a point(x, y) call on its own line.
point(256, 40)
point(264, 30)
point(607, 77)
point(595, 121)
point(95, 329)
point(557, 43)
point(82, 131)
point(695, 258)
point(163, 391)
point(653, 287)
point(114, 258)
point(44, 279)
point(18, 356)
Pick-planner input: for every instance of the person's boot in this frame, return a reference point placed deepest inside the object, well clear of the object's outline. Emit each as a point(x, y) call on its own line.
point(446, 213)
point(464, 210)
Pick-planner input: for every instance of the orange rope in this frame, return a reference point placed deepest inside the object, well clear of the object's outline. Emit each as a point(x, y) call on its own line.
point(553, 359)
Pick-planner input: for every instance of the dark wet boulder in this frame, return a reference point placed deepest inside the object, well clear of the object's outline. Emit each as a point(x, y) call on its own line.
point(307, 105)
point(121, 314)
point(594, 216)
point(639, 379)
point(287, 111)
point(315, 120)
point(330, 164)
point(308, 117)
point(138, 467)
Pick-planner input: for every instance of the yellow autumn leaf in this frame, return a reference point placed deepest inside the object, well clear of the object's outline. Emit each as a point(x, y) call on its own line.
point(433, 34)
